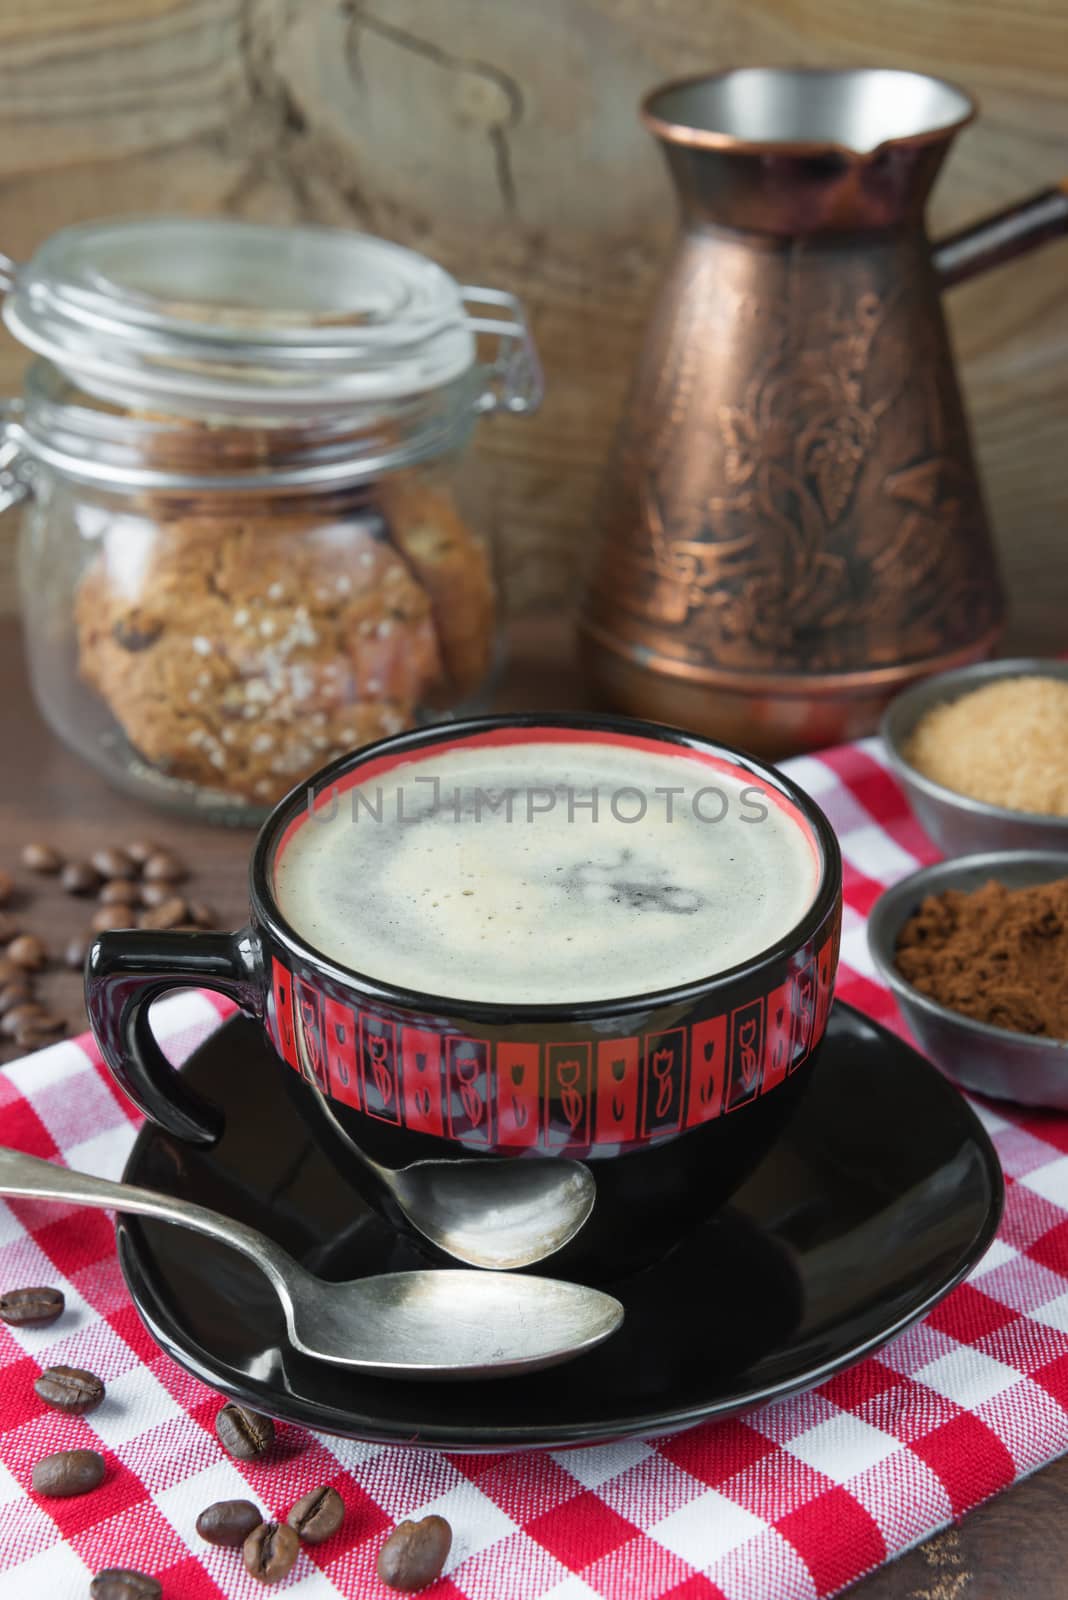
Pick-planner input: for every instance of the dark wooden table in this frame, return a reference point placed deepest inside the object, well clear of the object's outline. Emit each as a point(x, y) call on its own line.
point(1015, 1548)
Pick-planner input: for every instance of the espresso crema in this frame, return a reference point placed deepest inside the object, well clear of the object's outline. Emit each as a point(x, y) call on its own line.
point(486, 874)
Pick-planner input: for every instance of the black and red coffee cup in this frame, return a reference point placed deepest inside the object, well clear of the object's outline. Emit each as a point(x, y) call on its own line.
point(672, 1096)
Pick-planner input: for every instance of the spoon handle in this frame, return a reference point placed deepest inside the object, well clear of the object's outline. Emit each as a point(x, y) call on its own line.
point(33, 1179)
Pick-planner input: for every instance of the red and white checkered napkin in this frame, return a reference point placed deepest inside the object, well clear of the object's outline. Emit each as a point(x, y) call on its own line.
point(794, 1500)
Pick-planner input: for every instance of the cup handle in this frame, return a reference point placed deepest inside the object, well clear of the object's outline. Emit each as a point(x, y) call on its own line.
point(124, 973)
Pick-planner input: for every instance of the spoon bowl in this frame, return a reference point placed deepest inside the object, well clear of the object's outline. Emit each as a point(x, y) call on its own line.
point(451, 1324)
point(496, 1213)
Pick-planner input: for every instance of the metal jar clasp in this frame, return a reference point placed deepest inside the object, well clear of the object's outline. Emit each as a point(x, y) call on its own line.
point(16, 470)
point(513, 372)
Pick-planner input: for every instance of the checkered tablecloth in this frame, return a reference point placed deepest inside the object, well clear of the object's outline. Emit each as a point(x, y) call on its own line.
point(795, 1500)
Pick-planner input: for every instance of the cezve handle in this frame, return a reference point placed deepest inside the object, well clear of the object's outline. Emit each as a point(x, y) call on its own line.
point(1004, 236)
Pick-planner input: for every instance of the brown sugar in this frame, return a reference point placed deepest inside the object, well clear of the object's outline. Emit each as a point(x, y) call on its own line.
point(1006, 743)
point(997, 955)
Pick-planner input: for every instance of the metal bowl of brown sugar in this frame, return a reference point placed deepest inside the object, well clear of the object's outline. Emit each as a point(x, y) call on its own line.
point(1014, 755)
point(1029, 1068)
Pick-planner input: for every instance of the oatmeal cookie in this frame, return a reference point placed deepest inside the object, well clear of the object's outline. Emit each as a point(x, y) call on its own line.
point(242, 654)
point(453, 566)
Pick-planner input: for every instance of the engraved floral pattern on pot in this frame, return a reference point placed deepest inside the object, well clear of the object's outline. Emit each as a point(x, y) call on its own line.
point(793, 490)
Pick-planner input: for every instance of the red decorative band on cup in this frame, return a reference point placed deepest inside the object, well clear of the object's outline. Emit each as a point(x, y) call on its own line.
point(552, 1094)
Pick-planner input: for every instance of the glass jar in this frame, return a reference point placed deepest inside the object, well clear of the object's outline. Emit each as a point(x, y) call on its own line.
point(246, 548)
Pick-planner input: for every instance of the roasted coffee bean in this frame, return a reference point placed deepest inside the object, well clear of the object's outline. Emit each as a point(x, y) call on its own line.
point(9, 928)
point(27, 951)
point(28, 1041)
point(202, 916)
point(67, 1473)
point(21, 1016)
point(243, 1433)
point(7, 887)
point(119, 892)
point(164, 867)
point(79, 877)
point(36, 1031)
point(75, 953)
point(70, 1389)
point(31, 1308)
point(168, 914)
point(109, 917)
point(318, 1515)
point(228, 1522)
point(123, 1583)
point(415, 1553)
point(270, 1551)
point(15, 993)
point(111, 862)
point(40, 857)
point(154, 894)
point(139, 850)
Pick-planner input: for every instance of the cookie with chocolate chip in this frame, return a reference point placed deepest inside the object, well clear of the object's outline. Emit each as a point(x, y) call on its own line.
point(243, 653)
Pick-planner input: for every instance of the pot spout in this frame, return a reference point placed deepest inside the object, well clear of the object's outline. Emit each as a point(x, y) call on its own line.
point(797, 151)
point(854, 111)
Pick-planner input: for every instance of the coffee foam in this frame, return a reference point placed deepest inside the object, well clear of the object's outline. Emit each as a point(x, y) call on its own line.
point(554, 905)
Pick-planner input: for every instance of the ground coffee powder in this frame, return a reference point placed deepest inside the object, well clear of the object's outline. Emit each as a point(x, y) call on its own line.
point(998, 955)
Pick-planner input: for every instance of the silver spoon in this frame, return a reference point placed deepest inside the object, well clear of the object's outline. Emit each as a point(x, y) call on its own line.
point(499, 1215)
point(447, 1324)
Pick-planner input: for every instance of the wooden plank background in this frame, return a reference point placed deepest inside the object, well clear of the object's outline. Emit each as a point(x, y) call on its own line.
point(501, 136)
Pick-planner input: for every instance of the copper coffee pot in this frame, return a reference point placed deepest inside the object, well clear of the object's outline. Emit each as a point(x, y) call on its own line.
point(792, 526)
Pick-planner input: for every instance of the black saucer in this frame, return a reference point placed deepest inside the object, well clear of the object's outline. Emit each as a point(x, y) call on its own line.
point(880, 1195)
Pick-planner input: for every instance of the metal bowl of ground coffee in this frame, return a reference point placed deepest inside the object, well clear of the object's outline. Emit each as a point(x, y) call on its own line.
point(1000, 952)
point(1008, 742)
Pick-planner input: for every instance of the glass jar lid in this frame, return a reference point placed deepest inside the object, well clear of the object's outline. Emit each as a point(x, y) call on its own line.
point(217, 317)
